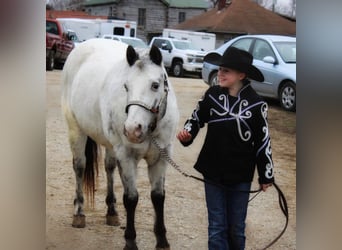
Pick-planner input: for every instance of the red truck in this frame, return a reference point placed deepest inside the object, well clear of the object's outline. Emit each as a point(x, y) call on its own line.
point(59, 43)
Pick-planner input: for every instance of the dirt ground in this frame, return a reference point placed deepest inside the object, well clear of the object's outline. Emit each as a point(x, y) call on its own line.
point(185, 211)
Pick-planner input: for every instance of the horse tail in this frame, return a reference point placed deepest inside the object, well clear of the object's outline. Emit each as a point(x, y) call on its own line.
point(91, 169)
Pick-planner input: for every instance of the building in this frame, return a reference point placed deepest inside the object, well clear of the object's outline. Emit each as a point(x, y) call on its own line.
point(152, 16)
point(238, 17)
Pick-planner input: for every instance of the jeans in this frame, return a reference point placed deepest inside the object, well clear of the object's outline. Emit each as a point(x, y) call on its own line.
point(227, 211)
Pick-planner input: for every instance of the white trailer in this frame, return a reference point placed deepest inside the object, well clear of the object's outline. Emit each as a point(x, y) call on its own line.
point(201, 40)
point(92, 28)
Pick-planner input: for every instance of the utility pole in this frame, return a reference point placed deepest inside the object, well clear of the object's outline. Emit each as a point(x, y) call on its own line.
point(273, 4)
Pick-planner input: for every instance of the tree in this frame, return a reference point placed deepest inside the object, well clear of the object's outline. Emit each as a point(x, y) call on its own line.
point(58, 4)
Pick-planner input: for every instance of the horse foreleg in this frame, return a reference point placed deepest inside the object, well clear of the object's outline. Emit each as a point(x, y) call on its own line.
point(159, 225)
point(130, 200)
point(112, 217)
point(157, 179)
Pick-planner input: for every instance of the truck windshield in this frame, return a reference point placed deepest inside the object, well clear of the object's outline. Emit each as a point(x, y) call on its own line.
point(136, 43)
point(183, 45)
point(51, 27)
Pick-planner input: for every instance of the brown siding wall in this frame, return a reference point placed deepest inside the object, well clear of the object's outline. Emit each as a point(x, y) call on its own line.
point(158, 15)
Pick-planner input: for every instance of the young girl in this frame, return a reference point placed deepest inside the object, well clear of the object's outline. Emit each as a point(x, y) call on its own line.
point(237, 140)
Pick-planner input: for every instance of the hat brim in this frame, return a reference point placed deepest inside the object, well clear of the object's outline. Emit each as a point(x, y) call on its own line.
point(251, 71)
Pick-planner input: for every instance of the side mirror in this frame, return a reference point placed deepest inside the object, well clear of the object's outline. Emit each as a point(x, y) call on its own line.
point(164, 46)
point(269, 59)
point(71, 36)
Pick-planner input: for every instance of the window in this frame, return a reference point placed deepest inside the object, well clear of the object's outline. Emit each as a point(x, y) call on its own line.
point(132, 32)
point(243, 44)
point(287, 51)
point(181, 17)
point(142, 17)
point(119, 31)
point(51, 27)
point(158, 42)
point(262, 49)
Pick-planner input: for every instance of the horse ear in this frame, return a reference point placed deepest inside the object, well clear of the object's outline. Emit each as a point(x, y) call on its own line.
point(155, 55)
point(131, 55)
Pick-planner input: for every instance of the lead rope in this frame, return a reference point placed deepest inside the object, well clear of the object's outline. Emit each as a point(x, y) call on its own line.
point(281, 197)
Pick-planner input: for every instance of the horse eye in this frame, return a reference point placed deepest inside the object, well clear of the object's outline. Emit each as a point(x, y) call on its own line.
point(155, 86)
point(126, 88)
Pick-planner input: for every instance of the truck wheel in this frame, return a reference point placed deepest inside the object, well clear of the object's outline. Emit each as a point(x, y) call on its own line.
point(177, 69)
point(287, 96)
point(50, 61)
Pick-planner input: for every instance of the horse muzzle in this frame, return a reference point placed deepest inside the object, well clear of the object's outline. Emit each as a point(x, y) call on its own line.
point(134, 134)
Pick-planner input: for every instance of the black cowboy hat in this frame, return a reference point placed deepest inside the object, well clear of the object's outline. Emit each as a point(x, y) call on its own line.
point(237, 59)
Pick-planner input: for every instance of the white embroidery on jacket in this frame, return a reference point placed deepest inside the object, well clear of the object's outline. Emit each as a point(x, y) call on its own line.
point(188, 126)
point(269, 165)
point(242, 114)
point(225, 106)
point(194, 116)
point(264, 109)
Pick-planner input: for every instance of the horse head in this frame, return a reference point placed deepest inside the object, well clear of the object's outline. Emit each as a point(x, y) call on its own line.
point(147, 89)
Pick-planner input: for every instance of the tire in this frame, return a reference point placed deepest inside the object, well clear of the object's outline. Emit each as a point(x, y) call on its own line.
point(59, 64)
point(287, 96)
point(50, 61)
point(213, 79)
point(177, 69)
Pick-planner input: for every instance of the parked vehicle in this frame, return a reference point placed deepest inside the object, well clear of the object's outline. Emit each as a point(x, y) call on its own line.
point(74, 37)
point(179, 55)
point(201, 40)
point(94, 28)
point(59, 43)
point(133, 41)
point(275, 57)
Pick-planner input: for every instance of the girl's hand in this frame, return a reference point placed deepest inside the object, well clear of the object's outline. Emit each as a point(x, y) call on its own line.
point(265, 186)
point(184, 136)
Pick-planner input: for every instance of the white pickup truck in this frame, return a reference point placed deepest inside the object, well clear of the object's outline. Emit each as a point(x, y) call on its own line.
point(179, 55)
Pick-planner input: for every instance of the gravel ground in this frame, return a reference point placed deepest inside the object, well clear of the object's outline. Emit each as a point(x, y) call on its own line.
point(185, 212)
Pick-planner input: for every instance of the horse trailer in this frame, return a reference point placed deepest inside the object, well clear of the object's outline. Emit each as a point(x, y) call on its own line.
point(93, 28)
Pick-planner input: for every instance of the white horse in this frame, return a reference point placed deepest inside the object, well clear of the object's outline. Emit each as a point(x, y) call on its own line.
point(120, 98)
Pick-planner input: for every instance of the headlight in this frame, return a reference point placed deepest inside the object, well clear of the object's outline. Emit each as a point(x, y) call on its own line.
point(191, 58)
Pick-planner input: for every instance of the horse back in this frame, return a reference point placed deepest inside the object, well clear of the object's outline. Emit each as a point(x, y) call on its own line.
point(85, 74)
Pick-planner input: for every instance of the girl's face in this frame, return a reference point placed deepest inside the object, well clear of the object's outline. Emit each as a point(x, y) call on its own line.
point(229, 77)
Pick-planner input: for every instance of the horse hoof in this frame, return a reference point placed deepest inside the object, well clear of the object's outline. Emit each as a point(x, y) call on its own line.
point(130, 245)
point(130, 248)
point(79, 221)
point(163, 248)
point(112, 220)
point(162, 244)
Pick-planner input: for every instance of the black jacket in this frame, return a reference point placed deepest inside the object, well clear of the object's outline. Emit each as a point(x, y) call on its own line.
point(237, 138)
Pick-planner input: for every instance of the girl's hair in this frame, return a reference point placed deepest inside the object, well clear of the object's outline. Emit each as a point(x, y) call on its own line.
point(246, 81)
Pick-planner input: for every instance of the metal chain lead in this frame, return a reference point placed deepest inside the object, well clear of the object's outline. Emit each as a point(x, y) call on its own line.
point(166, 157)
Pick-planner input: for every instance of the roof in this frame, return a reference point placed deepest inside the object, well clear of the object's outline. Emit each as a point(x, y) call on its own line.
point(99, 2)
point(242, 17)
point(200, 4)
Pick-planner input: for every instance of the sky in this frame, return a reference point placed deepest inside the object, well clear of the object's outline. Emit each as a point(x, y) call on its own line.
point(283, 7)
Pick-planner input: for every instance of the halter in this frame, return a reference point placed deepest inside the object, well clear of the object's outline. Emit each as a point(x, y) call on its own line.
point(153, 109)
